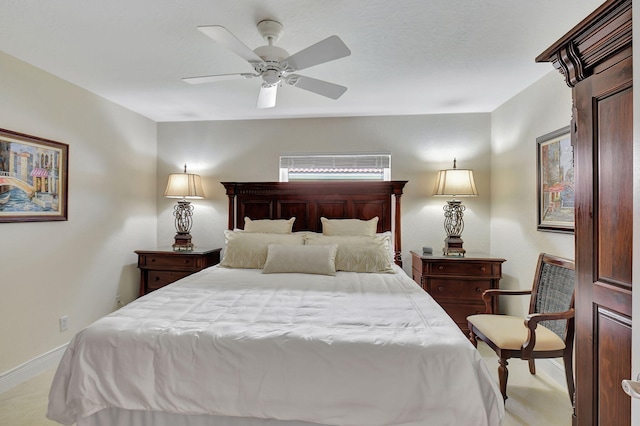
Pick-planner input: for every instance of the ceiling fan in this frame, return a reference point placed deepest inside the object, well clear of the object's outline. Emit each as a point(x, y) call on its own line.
point(275, 65)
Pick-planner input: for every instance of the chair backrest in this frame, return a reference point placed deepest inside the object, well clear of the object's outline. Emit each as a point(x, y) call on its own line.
point(553, 290)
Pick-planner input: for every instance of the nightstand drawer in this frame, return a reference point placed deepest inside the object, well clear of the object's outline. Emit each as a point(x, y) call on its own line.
point(157, 279)
point(477, 269)
point(154, 261)
point(457, 289)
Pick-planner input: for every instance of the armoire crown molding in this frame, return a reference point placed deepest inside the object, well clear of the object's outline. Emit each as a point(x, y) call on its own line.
point(599, 36)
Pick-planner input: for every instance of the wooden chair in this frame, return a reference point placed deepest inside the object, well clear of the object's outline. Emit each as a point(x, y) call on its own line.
point(548, 330)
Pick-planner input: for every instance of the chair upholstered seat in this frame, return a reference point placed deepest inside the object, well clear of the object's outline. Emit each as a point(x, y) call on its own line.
point(508, 332)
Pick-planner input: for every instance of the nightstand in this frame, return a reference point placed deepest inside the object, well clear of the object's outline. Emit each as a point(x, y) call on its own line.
point(457, 283)
point(163, 266)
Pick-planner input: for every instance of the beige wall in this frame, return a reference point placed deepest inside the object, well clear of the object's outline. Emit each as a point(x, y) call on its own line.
point(249, 151)
point(540, 109)
point(499, 147)
point(75, 268)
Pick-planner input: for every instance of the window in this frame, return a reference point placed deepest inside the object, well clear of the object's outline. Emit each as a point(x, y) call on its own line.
point(375, 166)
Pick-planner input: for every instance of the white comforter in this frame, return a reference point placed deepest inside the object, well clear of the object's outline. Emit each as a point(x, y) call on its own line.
point(354, 349)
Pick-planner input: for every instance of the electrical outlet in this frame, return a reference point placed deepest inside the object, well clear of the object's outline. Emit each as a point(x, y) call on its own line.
point(64, 323)
point(119, 302)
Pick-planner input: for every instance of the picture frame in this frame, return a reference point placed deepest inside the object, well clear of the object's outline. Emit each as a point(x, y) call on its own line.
point(33, 178)
point(556, 184)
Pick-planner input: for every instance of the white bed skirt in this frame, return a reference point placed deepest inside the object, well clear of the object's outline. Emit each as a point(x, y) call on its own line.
point(121, 417)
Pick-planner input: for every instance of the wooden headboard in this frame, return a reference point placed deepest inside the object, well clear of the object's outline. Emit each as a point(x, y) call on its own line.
point(309, 201)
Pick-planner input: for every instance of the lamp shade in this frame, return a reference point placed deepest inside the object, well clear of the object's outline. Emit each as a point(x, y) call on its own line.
point(184, 185)
point(456, 182)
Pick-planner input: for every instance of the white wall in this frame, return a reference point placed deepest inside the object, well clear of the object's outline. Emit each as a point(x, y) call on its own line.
point(542, 108)
point(75, 268)
point(249, 151)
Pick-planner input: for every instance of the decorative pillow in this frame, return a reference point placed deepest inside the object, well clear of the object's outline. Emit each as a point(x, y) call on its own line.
point(276, 226)
point(358, 253)
point(319, 259)
point(248, 250)
point(389, 236)
point(349, 226)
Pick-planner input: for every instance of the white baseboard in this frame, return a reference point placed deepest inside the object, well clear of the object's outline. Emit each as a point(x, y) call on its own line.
point(31, 368)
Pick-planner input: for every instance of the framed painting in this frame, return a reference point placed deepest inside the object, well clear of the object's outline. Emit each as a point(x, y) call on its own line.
point(33, 178)
point(556, 211)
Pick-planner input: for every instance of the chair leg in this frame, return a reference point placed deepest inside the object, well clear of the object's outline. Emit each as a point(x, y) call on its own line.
point(503, 375)
point(568, 372)
point(532, 366)
point(472, 338)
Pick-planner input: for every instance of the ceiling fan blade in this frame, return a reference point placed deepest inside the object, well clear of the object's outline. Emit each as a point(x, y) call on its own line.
point(221, 35)
point(217, 77)
point(321, 87)
point(267, 96)
point(327, 50)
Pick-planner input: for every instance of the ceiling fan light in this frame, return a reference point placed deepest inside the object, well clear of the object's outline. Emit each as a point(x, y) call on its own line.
point(271, 77)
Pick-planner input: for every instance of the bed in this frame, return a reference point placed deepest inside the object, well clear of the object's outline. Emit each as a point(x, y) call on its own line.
point(315, 336)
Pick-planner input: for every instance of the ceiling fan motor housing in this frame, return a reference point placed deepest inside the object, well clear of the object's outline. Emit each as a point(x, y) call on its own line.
point(272, 70)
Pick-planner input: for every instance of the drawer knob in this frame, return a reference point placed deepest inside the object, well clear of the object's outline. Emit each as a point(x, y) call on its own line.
point(441, 267)
point(483, 269)
point(440, 289)
point(186, 261)
point(153, 260)
point(157, 279)
point(478, 289)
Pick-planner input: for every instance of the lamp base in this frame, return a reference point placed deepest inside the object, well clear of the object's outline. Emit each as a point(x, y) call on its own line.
point(453, 246)
point(182, 242)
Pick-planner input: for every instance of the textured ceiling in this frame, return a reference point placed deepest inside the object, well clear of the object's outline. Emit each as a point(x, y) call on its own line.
point(408, 56)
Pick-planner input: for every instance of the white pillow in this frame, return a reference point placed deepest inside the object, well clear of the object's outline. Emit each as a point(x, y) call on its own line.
point(248, 250)
point(319, 260)
point(275, 226)
point(349, 226)
point(358, 253)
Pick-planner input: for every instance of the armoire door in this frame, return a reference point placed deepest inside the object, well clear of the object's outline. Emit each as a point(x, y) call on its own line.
point(603, 154)
point(595, 58)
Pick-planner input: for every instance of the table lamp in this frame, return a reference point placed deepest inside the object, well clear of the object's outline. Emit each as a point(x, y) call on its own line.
point(184, 186)
point(454, 183)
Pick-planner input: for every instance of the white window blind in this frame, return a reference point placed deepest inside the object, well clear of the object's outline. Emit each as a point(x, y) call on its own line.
point(376, 166)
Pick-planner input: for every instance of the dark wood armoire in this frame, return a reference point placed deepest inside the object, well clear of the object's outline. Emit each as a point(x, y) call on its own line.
point(595, 59)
